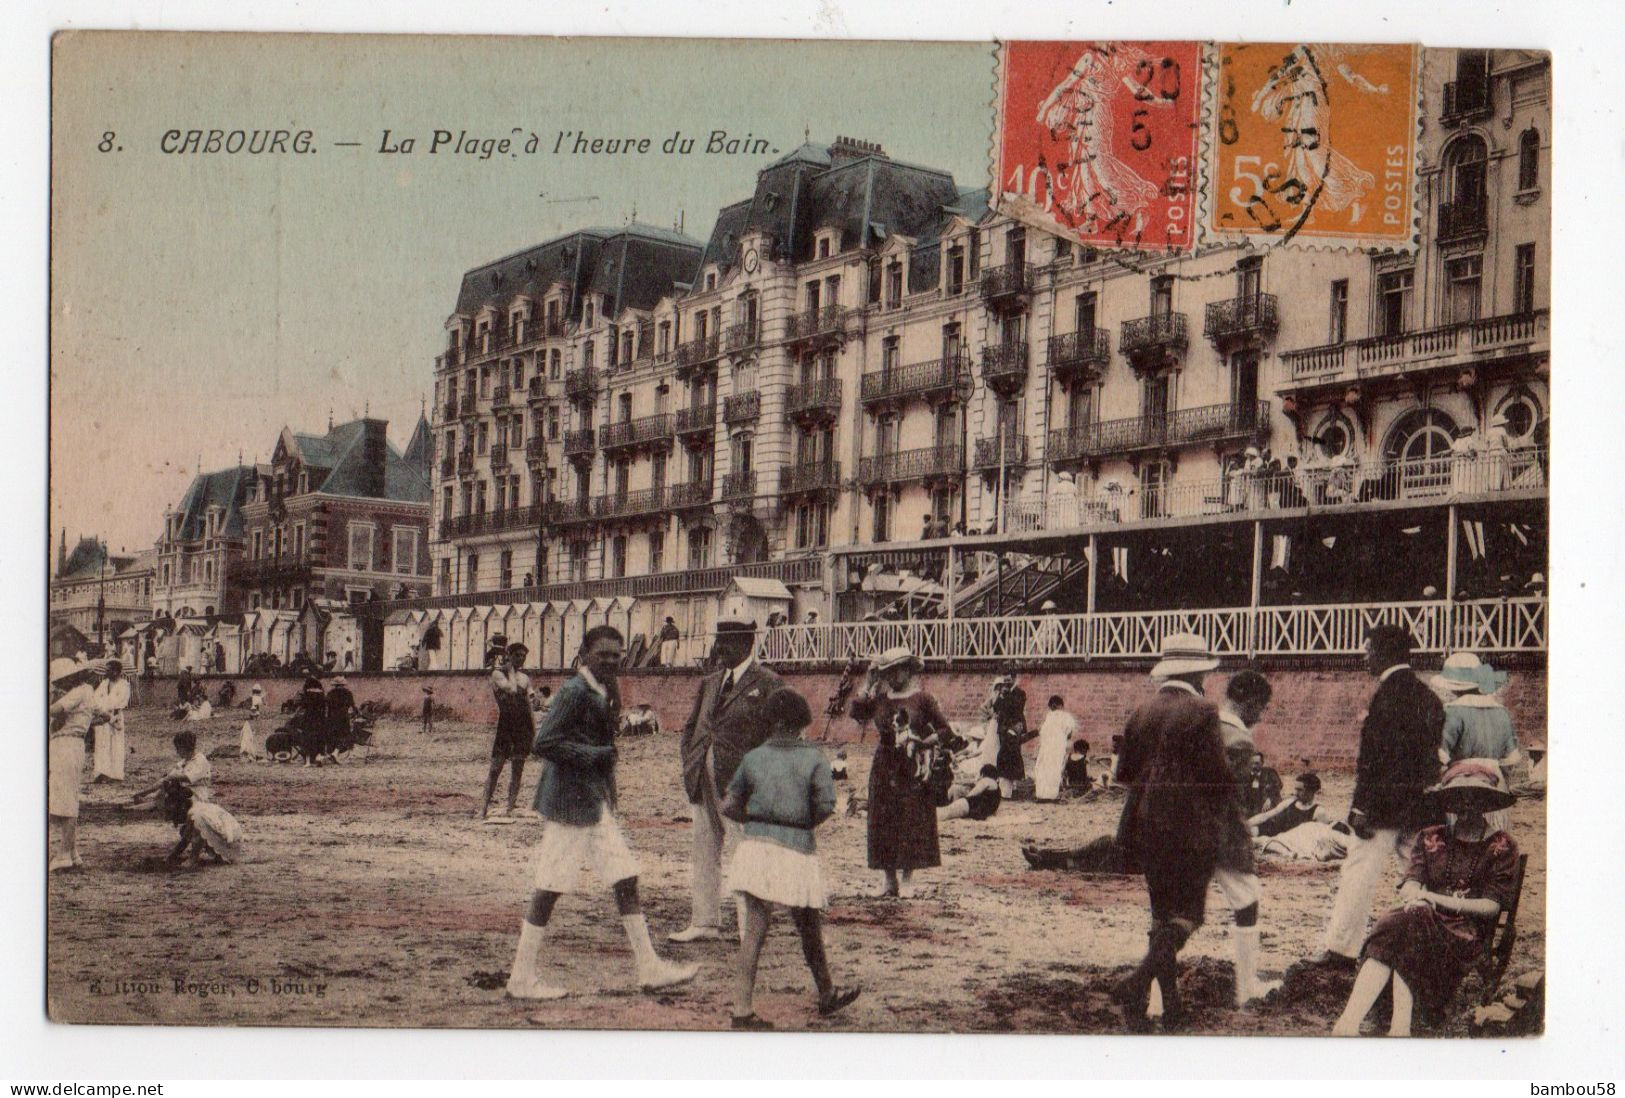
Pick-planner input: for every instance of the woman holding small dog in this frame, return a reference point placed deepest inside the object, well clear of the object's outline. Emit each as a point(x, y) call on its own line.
point(902, 804)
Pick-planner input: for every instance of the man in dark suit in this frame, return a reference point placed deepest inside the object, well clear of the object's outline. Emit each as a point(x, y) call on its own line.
point(1398, 761)
point(725, 724)
point(576, 801)
point(1176, 817)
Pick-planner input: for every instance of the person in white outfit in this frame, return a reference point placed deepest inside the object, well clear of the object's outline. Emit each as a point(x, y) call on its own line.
point(111, 747)
point(1054, 739)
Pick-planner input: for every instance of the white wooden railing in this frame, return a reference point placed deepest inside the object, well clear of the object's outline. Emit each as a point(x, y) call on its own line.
point(1500, 625)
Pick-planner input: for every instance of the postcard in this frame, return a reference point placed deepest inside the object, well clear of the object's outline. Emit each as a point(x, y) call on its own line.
point(1033, 537)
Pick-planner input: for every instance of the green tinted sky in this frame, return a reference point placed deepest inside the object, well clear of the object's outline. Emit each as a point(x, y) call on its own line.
point(201, 302)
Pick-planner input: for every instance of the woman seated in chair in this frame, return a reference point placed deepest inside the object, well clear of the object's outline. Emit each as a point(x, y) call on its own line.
point(1461, 876)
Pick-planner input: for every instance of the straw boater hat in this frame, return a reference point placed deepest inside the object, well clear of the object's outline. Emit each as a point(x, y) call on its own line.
point(1183, 654)
point(1465, 673)
point(1472, 786)
point(736, 624)
point(898, 656)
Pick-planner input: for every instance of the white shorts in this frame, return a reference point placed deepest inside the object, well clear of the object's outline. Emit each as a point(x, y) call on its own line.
point(567, 849)
point(1240, 889)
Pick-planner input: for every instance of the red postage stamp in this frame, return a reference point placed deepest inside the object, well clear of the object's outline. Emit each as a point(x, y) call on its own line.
point(1313, 143)
point(1098, 140)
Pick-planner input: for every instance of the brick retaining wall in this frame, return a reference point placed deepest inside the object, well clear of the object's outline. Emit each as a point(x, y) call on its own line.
point(1315, 713)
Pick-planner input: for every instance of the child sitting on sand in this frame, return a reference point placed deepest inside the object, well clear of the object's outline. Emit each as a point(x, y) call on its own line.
point(780, 793)
point(186, 798)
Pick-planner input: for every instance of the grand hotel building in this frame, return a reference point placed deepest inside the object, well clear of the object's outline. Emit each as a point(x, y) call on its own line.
point(933, 425)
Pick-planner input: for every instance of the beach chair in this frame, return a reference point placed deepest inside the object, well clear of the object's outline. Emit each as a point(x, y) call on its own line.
point(1492, 966)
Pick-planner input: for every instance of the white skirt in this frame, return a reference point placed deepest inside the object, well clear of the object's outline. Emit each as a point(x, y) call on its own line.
point(777, 874)
point(219, 829)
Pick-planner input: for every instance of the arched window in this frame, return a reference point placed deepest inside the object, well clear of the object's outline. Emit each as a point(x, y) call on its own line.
point(1418, 452)
point(1464, 168)
point(1463, 211)
point(1529, 159)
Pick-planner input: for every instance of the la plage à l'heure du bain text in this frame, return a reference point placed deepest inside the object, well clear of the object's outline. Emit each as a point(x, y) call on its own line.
point(469, 144)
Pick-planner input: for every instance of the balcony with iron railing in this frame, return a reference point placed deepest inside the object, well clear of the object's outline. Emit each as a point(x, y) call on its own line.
point(500, 395)
point(1247, 320)
point(645, 431)
point(450, 410)
point(499, 456)
point(696, 353)
point(742, 407)
point(643, 501)
point(581, 384)
point(565, 512)
point(467, 406)
point(816, 323)
point(1448, 347)
point(1151, 342)
point(579, 443)
point(1185, 427)
point(739, 484)
point(1464, 99)
point(988, 457)
point(492, 522)
point(926, 463)
point(939, 378)
point(536, 388)
point(1004, 366)
point(465, 463)
point(742, 336)
point(535, 450)
point(1464, 217)
point(696, 422)
point(813, 399)
point(1080, 356)
point(448, 465)
point(688, 494)
point(809, 477)
point(1009, 286)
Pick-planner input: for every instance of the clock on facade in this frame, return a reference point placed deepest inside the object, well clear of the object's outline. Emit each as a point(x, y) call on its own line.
point(752, 260)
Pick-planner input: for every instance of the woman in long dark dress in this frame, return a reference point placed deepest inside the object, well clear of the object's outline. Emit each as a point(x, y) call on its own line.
point(1010, 725)
point(1461, 875)
point(902, 806)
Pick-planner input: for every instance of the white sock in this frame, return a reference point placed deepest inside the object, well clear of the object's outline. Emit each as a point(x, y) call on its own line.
point(1247, 984)
point(637, 933)
point(527, 957)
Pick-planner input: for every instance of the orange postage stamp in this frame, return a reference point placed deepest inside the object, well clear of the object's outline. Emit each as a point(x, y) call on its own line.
point(1313, 143)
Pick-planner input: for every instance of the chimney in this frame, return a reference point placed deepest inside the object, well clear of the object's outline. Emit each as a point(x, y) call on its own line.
point(851, 148)
point(374, 456)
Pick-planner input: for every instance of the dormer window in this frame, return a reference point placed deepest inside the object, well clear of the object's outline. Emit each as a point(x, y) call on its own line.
point(823, 247)
point(304, 483)
point(711, 280)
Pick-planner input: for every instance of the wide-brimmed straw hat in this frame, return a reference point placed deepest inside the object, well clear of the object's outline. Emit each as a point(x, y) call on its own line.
point(898, 656)
point(1472, 785)
point(62, 667)
point(1464, 673)
point(1183, 654)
